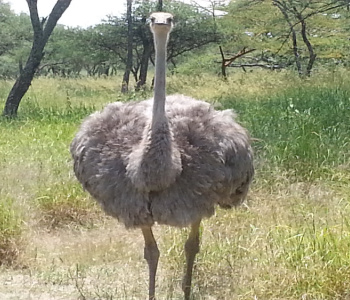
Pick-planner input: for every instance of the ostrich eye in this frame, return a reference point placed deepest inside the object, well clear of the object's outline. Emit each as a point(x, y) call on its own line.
point(170, 20)
point(153, 19)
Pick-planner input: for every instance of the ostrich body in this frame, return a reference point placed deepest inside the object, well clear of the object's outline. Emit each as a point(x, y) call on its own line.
point(167, 160)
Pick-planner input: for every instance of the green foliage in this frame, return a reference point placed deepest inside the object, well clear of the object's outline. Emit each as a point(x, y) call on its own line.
point(15, 40)
point(67, 54)
point(260, 25)
point(193, 30)
point(303, 132)
point(100, 50)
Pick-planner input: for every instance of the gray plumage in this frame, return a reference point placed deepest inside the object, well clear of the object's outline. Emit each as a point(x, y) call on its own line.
point(167, 160)
point(118, 164)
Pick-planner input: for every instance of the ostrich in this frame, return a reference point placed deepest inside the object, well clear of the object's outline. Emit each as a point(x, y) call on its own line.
point(167, 160)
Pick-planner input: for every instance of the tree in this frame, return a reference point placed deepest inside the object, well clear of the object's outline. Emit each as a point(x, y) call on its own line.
point(15, 36)
point(42, 31)
point(160, 5)
point(298, 33)
point(296, 13)
point(65, 53)
point(7, 42)
point(193, 30)
point(128, 66)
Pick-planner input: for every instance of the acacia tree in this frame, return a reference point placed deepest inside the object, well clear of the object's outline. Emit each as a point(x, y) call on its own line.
point(293, 24)
point(296, 13)
point(193, 30)
point(14, 39)
point(42, 31)
point(7, 42)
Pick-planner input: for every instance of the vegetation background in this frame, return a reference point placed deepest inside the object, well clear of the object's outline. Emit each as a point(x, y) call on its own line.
point(289, 241)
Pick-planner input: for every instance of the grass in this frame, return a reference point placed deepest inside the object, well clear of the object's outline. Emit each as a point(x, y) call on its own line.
point(291, 240)
point(10, 232)
point(303, 132)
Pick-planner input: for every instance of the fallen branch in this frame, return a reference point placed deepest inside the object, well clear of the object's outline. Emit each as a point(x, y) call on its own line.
point(226, 62)
point(270, 67)
point(41, 67)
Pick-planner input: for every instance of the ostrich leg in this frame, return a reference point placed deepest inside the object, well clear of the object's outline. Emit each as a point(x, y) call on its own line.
point(151, 254)
point(191, 249)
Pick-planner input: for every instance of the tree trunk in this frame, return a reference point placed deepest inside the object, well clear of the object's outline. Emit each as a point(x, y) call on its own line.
point(223, 65)
point(23, 82)
point(312, 55)
point(295, 51)
point(147, 45)
point(41, 36)
point(160, 5)
point(282, 7)
point(126, 77)
point(147, 50)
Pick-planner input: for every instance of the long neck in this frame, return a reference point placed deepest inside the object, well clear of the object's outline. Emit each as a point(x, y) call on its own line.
point(160, 43)
point(156, 163)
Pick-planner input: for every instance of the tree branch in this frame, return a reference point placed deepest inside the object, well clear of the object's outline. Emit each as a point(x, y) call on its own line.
point(56, 13)
point(34, 17)
point(270, 67)
point(226, 62)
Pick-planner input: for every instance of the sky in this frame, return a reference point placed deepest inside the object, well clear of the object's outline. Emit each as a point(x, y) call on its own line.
point(81, 13)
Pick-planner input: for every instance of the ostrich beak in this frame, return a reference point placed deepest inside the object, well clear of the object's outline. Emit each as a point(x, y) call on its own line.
point(161, 19)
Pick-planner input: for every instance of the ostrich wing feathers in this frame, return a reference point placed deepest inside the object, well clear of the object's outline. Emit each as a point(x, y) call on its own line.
point(215, 153)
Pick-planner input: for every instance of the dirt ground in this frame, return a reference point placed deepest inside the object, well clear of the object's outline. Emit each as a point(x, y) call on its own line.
point(81, 264)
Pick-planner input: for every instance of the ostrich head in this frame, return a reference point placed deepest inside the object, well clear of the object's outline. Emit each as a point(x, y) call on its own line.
point(161, 23)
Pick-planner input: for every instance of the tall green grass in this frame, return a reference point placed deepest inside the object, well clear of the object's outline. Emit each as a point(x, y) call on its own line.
point(302, 131)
